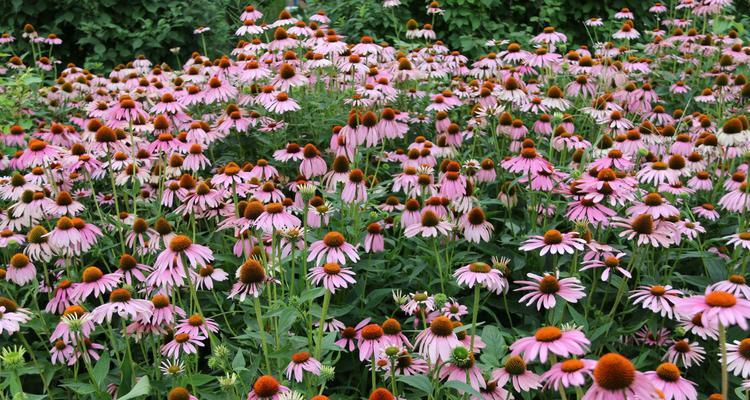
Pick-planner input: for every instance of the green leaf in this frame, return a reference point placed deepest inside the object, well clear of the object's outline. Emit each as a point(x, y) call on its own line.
point(101, 369)
point(419, 382)
point(238, 362)
point(462, 387)
point(80, 388)
point(311, 294)
point(141, 388)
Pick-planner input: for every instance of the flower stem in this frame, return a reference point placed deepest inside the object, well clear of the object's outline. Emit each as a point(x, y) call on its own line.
point(262, 332)
point(724, 372)
point(474, 314)
point(319, 342)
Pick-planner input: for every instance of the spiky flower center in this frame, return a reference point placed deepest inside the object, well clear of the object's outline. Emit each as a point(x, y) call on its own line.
point(515, 365)
point(668, 372)
point(372, 332)
point(549, 285)
point(548, 334)
point(614, 372)
point(721, 299)
point(334, 239)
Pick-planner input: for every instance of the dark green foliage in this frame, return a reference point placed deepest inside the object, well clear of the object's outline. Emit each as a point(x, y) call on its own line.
point(467, 24)
point(108, 32)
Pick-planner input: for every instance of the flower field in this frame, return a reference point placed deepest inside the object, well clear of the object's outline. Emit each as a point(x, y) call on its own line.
point(311, 215)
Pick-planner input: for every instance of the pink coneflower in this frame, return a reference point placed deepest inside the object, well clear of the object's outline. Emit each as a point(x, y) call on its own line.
point(554, 242)
point(393, 334)
point(39, 153)
point(124, 305)
point(657, 298)
point(162, 311)
point(514, 370)
point(657, 173)
point(419, 301)
point(654, 338)
point(9, 238)
point(355, 189)
point(461, 367)
point(10, 321)
point(738, 357)
point(312, 164)
point(737, 200)
point(646, 230)
point(528, 162)
point(350, 334)
point(438, 341)
point(263, 171)
point(251, 277)
point(196, 325)
point(266, 387)
point(482, 274)
point(655, 205)
point(207, 275)
point(694, 324)
point(180, 246)
point(615, 378)
point(219, 91)
point(476, 228)
point(332, 249)
point(568, 373)
point(374, 242)
point(140, 234)
point(685, 352)
point(741, 239)
point(609, 262)
point(282, 103)
point(430, 225)
point(73, 315)
point(370, 341)
point(291, 152)
point(132, 270)
point(550, 339)
point(64, 205)
point(89, 352)
point(20, 270)
point(626, 32)
point(94, 282)
point(301, 362)
point(333, 276)
point(182, 344)
point(60, 352)
point(735, 284)
point(275, 217)
point(716, 307)
point(406, 365)
point(179, 392)
point(453, 310)
point(544, 289)
point(669, 381)
point(588, 210)
point(62, 297)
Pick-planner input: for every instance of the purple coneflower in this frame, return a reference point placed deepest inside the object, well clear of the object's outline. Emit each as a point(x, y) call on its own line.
point(301, 362)
point(551, 339)
point(333, 276)
point(544, 289)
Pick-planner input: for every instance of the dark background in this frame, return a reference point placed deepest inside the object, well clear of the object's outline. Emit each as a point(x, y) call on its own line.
point(103, 33)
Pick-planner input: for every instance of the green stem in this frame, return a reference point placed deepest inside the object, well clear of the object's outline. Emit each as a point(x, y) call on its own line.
point(724, 372)
point(319, 342)
point(474, 314)
point(262, 332)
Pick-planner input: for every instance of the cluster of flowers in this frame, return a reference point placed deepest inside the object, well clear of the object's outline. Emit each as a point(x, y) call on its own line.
point(132, 212)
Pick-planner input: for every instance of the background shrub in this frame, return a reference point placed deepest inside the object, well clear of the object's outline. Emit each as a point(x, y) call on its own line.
point(467, 24)
point(108, 32)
